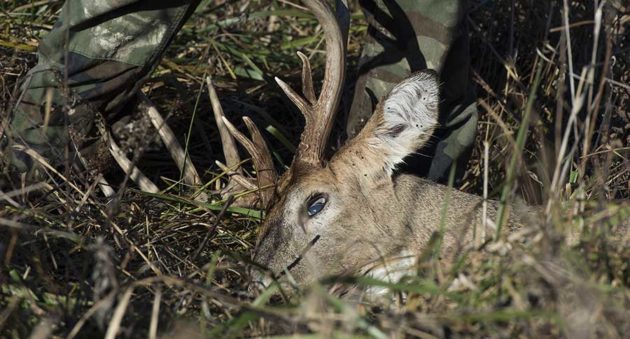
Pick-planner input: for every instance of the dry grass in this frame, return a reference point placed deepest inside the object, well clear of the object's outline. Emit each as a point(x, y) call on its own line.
point(75, 264)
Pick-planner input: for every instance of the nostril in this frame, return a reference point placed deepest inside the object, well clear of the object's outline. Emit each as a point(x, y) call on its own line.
point(256, 285)
point(254, 288)
point(259, 281)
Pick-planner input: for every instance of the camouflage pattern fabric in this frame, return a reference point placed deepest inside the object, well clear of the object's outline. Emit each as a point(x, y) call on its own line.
point(97, 54)
point(93, 60)
point(410, 35)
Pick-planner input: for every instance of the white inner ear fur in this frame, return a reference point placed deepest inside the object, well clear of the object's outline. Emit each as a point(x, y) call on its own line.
point(410, 114)
point(401, 124)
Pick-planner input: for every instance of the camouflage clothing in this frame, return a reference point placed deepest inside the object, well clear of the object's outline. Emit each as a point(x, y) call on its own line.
point(101, 51)
point(405, 36)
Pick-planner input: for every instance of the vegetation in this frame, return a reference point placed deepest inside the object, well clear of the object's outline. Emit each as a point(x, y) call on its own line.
point(552, 80)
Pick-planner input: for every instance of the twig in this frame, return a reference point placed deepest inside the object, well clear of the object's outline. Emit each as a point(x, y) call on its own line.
point(128, 167)
point(185, 166)
point(155, 311)
point(114, 324)
point(218, 218)
point(484, 222)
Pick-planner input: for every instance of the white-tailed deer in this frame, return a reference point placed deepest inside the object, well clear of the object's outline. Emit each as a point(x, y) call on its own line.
point(341, 215)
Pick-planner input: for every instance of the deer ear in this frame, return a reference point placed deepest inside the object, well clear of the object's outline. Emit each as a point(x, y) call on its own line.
point(401, 124)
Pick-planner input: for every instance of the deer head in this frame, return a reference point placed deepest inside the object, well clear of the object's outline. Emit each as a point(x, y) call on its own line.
point(326, 214)
point(335, 216)
point(330, 216)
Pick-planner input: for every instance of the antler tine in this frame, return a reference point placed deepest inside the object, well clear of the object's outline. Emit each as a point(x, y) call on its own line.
point(307, 79)
point(240, 179)
point(230, 152)
point(261, 157)
point(320, 113)
point(265, 170)
point(301, 104)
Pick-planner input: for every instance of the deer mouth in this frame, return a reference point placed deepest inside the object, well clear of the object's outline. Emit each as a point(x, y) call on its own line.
point(261, 281)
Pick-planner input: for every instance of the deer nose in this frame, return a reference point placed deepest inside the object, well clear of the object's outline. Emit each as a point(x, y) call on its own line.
point(259, 281)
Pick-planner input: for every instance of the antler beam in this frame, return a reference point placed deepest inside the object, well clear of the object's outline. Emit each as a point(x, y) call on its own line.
point(319, 113)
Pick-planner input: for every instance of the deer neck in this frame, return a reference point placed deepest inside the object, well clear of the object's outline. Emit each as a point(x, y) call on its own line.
point(429, 208)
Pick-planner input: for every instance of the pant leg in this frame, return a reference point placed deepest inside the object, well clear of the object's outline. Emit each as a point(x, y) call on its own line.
point(410, 35)
point(93, 60)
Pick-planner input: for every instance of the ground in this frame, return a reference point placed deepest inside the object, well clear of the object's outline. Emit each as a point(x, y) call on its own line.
point(77, 264)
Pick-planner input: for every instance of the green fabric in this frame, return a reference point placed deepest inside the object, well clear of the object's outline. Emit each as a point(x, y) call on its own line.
point(101, 50)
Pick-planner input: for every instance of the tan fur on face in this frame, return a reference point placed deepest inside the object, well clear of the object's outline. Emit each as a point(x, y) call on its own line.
point(371, 212)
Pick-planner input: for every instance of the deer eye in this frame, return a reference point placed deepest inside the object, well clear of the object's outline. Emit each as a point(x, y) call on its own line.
point(316, 204)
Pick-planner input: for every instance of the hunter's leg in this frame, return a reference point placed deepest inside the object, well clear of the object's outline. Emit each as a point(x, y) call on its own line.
point(89, 66)
point(405, 36)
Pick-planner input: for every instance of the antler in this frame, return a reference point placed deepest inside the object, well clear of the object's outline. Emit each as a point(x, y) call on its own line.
point(238, 182)
point(319, 113)
point(256, 147)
